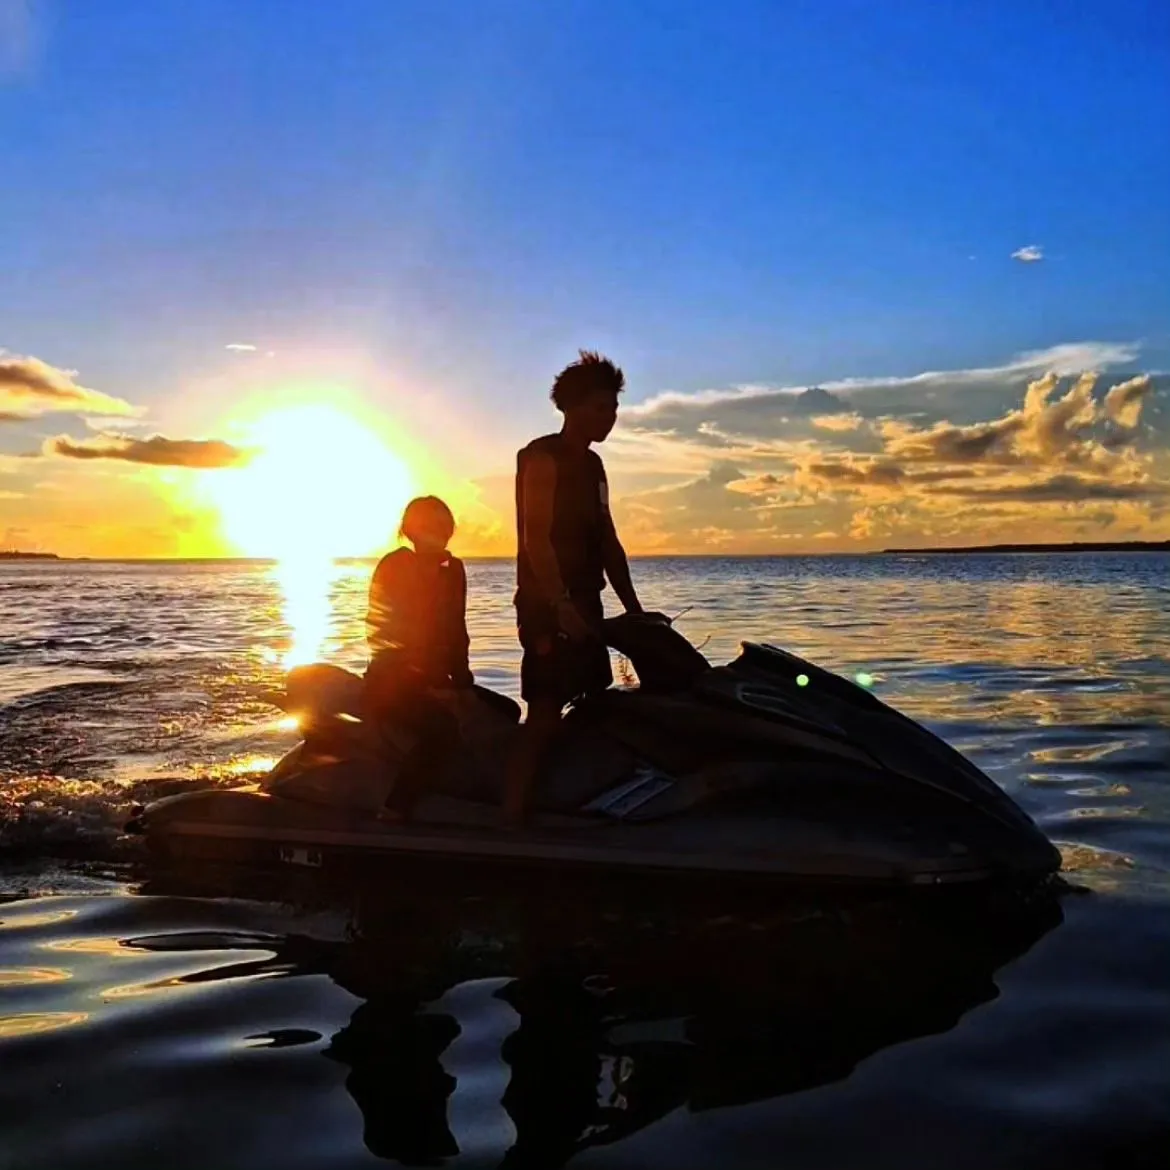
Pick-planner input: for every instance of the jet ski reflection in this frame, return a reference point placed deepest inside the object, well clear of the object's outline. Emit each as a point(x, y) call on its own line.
point(609, 1041)
point(613, 1021)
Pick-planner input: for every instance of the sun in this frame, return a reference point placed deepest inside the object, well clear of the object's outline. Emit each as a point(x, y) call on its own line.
point(321, 484)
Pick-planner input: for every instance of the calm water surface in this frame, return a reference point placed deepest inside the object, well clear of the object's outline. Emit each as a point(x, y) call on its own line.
point(147, 1024)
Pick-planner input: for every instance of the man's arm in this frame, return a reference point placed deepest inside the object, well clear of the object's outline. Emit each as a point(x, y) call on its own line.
point(539, 494)
point(617, 565)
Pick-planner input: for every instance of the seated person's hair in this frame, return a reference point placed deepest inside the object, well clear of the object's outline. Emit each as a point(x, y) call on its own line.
point(588, 374)
point(426, 514)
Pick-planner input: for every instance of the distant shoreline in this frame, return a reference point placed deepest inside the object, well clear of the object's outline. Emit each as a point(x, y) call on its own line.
point(1162, 546)
point(1076, 546)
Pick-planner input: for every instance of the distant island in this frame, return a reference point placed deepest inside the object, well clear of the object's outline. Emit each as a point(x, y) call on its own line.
point(1081, 546)
point(12, 554)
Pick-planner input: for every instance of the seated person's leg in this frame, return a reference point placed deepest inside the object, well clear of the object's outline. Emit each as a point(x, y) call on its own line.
point(386, 686)
point(436, 732)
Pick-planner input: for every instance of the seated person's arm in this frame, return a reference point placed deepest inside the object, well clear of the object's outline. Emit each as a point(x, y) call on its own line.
point(379, 607)
point(460, 668)
point(387, 625)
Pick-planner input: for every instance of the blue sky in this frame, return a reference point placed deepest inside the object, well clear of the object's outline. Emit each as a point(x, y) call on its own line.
point(464, 193)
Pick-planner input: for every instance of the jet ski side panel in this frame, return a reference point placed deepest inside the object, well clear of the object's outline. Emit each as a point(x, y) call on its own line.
point(254, 827)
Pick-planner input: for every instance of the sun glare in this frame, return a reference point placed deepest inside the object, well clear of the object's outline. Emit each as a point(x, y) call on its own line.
point(321, 485)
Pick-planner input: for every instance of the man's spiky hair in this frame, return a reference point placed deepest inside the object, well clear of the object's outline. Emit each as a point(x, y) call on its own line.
point(588, 374)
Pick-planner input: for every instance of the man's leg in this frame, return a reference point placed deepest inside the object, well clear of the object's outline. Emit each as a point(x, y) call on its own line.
point(534, 738)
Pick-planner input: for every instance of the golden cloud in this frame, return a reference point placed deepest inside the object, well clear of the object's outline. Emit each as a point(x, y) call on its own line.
point(836, 422)
point(1123, 402)
point(29, 386)
point(155, 451)
point(1043, 433)
point(906, 456)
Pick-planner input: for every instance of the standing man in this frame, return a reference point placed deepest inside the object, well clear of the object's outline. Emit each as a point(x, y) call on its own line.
point(567, 547)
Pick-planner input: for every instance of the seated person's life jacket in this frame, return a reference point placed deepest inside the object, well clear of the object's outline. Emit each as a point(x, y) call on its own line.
point(416, 623)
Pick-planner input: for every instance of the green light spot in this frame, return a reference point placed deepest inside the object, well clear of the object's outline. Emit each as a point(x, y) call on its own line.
point(802, 680)
point(863, 680)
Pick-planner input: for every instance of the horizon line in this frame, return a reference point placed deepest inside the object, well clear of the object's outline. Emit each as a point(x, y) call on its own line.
point(1054, 546)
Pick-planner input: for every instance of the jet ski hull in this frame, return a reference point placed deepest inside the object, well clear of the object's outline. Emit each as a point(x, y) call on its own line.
point(254, 829)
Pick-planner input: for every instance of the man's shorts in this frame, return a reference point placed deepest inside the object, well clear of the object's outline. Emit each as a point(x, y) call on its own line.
point(554, 668)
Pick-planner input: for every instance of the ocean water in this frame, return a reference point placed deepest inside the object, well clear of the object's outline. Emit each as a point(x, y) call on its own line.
point(148, 1022)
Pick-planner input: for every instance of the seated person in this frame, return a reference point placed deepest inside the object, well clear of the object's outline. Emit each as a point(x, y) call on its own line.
point(417, 632)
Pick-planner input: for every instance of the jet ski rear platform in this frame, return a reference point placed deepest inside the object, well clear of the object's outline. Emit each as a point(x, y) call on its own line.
point(765, 770)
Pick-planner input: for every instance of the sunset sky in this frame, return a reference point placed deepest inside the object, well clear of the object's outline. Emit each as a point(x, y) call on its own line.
point(877, 273)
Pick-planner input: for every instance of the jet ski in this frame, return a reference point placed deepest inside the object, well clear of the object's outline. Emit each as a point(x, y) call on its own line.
point(766, 768)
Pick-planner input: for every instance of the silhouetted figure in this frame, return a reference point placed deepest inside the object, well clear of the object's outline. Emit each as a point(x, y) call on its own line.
point(567, 547)
point(417, 631)
point(397, 1080)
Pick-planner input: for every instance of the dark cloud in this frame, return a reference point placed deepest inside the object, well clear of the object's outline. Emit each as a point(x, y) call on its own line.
point(762, 414)
point(1063, 488)
point(32, 386)
point(941, 475)
point(817, 400)
point(155, 451)
point(724, 419)
point(877, 471)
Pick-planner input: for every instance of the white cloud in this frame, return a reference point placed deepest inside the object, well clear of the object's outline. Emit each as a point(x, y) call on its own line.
point(101, 425)
point(1077, 357)
point(677, 413)
point(241, 347)
point(1029, 254)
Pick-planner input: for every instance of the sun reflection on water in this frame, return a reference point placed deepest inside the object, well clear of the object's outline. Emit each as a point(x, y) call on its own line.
point(31, 1023)
point(306, 584)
